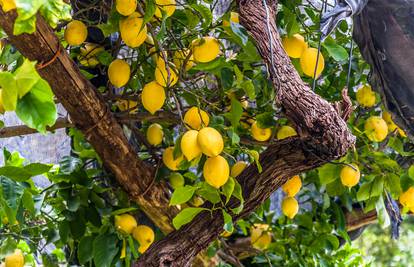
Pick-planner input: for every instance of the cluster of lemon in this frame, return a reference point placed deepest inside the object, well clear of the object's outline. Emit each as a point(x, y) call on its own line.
point(143, 234)
point(407, 199)
point(290, 205)
point(15, 259)
point(264, 134)
point(260, 236)
point(296, 47)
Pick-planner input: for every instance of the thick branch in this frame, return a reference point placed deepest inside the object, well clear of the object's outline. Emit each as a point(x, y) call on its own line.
point(20, 130)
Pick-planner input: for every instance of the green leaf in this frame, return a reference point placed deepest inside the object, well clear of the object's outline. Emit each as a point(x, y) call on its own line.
point(26, 77)
point(265, 120)
point(37, 168)
point(228, 188)
point(11, 196)
point(49, 260)
point(84, 249)
point(411, 172)
point(150, 9)
point(210, 193)
point(237, 193)
point(15, 173)
point(70, 164)
point(248, 87)
point(396, 144)
point(205, 13)
point(9, 91)
point(236, 112)
point(240, 32)
point(371, 189)
point(392, 183)
point(104, 250)
point(28, 203)
point(336, 51)
point(328, 173)
point(185, 216)
point(228, 221)
point(55, 11)
point(182, 194)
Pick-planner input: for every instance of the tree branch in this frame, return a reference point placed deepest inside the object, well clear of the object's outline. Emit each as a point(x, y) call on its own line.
point(19, 130)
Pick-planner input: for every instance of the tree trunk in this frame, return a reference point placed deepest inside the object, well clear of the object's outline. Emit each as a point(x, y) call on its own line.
point(323, 136)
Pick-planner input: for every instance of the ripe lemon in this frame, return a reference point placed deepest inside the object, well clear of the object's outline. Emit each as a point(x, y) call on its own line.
point(168, 6)
point(260, 238)
point(292, 186)
point(234, 17)
point(180, 57)
point(161, 73)
point(153, 97)
point(15, 260)
point(195, 118)
point(350, 177)
point(391, 125)
point(263, 241)
point(210, 141)
point(260, 134)
point(376, 129)
point(143, 248)
point(205, 49)
point(2, 110)
point(126, 7)
point(132, 30)
point(176, 180)
point(365, 96)
point(169, 161)
point(76, 32)
point(155, 134)
point(189, 145)
point(125, 223)
point(216, 171)
point(88, 55)
point(294, 45)
point(130, 105)
point(238, 168)
point(308, 62)
point(8, 5)
point(143, 234)
point(407, 198)
point(290, 207)
point(285, 132)
point(119, 72)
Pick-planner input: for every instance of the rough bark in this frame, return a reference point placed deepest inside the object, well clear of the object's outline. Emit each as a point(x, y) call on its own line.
point(19, 130)
point(323, 136)
point(88, 111)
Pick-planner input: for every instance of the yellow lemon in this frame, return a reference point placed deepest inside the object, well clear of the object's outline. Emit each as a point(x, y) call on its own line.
point(133, 31)
point(292, 186)
point(216, 171)
point(365, 96)
point(234, 17)
point(294, 45)
point(88, 54)
point(2, 110)
point(126, 7)
point(210, 141)
point(8, 5)
point(290, 207)
point(260, 238)
point(15, 260)
point(176, 180)
point(168, 6)
point(376, 129)
point(263, 241)
point(153, 97)
point(260, 134)
point(169, 160)
point(165, 77)
point(205, 49)
point(237, 168)
point(130, 105)
point(76, 32)
point(149, 40)
point(143, 248)
point(125, 223)
point(285, 132)
point(155, 134)
point(407, 198)
point(143, 234)
point(391, 125)
point(195, 118)
point(197, 201)
point(119, 72)
point(189, 145)
point(350, 177)
point(179, 58)
point(308, 62)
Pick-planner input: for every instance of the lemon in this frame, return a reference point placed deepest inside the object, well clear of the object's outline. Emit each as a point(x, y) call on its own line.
point(195, 118)
point(407, 198)
point(153, 97)
point(205, 49)
point(143, 248)
point(237, 168)
point(130, 105)
point(76, 32)
point(169, 160)
point(260, 134)
point(365, 96)
point(308, 62)
point(119, 72)
point(210, 141)
point(350, 177)
point(376, 129)
point(294, 45)
point(197, 201)
point(125, 223)
point(234, 17)
point(132, 30)
point(155, 134)
point(290, 207)
point(285, 132)
point(168, 6)
point(8, 5)
point(126, 7)
point(88, 54)
point(149, 40)
point(143, 234)
point(15, 260)
point(2, 109)
point(180, 56)
point(263, 241)
point(260, 238)
point(165, 77)
point(216, 171)
point(386, 116)
point(176, 180)
point(292, 186)
point(189, 145)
